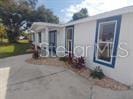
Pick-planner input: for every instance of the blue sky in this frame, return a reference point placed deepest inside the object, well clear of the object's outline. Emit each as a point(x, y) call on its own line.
point(58, 5)
point(64, 9)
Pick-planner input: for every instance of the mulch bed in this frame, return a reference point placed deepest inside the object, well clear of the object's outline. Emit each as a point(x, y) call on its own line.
point(106, 82)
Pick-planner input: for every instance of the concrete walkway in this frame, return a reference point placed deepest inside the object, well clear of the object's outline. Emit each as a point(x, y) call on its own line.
point(19, 80)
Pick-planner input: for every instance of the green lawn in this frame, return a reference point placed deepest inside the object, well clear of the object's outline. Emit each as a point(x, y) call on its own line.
point(7, 50)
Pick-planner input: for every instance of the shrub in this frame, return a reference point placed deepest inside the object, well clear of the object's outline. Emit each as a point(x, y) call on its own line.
point(97, 73)
point(64, 59)
point(33, 46)
point(79, 63)
point(35, 54)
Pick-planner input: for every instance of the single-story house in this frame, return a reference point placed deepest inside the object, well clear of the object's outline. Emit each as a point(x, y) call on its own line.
point(104, 40)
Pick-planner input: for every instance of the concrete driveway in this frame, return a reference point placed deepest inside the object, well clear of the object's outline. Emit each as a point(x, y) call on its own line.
point(19, 80)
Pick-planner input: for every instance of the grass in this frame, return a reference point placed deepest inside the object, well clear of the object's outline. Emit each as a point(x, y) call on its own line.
point(7, 50)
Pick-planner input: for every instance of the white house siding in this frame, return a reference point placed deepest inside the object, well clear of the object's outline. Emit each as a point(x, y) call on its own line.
point(43, 35)
point(36, 39)
point(84, 34)
point(124, 68)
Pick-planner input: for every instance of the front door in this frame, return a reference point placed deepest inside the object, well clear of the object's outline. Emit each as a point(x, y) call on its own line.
point(52, 42)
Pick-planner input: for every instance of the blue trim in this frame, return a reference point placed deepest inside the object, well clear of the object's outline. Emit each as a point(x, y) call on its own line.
point(72, 26)
point(118, 19)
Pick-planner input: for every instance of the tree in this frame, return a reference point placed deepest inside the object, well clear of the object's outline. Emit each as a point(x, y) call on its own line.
point(83, 13)
point(2, 32)
point(13, 14)
point(18, 15)
point(42, 14)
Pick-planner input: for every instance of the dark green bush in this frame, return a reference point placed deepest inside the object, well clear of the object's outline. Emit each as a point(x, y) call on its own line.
point(97, 73)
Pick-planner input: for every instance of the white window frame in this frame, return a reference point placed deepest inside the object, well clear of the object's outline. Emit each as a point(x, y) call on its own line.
point(99, 28)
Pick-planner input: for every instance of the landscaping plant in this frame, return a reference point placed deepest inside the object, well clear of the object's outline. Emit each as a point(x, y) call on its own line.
point(35, 54)
point(97, 73)
point(79, 62)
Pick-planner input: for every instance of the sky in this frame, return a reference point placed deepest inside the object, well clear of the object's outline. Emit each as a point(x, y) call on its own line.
point(65, 9)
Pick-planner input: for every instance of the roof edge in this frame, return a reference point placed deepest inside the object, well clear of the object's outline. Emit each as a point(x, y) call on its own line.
point(119, 11)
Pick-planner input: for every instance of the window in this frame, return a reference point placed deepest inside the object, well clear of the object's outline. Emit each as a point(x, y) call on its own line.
point(69, 38)
point(106, 42)
point(40, 37)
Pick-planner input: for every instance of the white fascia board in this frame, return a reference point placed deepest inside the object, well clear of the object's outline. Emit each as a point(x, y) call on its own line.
point(46, 24)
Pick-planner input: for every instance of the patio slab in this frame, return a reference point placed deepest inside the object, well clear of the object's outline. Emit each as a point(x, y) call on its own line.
point(19, 80)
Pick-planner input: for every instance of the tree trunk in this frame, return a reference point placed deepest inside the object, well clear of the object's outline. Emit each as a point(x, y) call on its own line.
point(12, 37)
point(1, 40)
